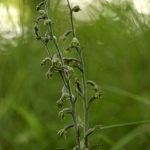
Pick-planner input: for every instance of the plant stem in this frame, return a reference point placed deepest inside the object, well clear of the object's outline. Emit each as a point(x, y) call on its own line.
point(74, 117)
point(71, 19)
point(48, 51)
point(45, 44)
point(84, 97)
point(83, 80)
point(67, 83)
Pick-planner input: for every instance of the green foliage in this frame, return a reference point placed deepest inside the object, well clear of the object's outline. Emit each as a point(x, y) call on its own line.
point(116, 57)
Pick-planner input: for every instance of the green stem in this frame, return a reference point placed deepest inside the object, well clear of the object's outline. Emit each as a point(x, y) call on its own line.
point(71, 20)
point(45, 44)
point(74, 117)
point(66, 82)
point(83, 81)
point(48, 51)
point(84, 98)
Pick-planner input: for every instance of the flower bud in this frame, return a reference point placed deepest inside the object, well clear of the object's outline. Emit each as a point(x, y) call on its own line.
point(97, 127)
point(98, 95)
point(62, 113)
point(66, 61)
point(36, 28)
point(67, 49)
point(64, 89)
point(78, 84)
point(65, 96)
point(37, 32)
point(47, 22)
point(76, 8)
point(48, 75)
point(63, 38)
point(70, 70)
point(63, 133)
point(59, 103)
point(37, 37)
point(75, 148)
point(43, 62)
point(38, 8)
point(55, 39)
point(41, 12)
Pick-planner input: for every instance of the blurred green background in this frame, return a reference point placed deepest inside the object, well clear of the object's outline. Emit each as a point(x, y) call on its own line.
point(117, 57)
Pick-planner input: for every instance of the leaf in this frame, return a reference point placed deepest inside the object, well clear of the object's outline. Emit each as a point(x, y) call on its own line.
point(125, 124)
point(130, 136)
point(126, 93)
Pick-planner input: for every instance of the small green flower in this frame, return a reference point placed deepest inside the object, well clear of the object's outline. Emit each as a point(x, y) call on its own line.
point(70, 70)
point(67, 49)
point(56, 62)
point(61, 115)
point(75, 42)
point(63, 133)
point(66, 61)
point(43, 62)
point(98, 95)
point(48, 74)
point(63, 38)
point(63, 112)
point(65, 96)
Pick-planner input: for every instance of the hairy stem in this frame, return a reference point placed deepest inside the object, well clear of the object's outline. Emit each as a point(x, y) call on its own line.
point(83, 80)
point(71, 19)
point(67, 82)
point(74, 117)
point(45, 44)
point(84, 97)
point(48, 51)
